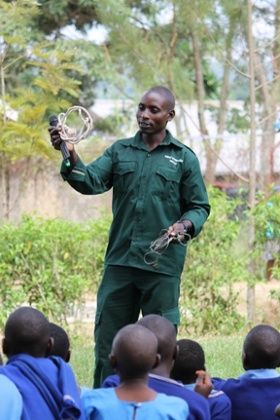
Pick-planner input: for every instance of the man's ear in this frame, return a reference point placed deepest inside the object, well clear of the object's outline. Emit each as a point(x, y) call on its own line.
point(171, 115)
point(157, 361)
point(49, 347)
point(113, 361)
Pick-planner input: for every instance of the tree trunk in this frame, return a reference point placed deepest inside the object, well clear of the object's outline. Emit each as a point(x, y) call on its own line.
point(4, 172)
point(252, 176)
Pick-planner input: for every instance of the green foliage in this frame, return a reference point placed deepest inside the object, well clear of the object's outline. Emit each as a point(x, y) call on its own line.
point(114, 124)
point(266, 216)
point(55, 264)
point(208, 299)
point(50, 263)
point(238, 121)
point(39, 77)
point(57, 14)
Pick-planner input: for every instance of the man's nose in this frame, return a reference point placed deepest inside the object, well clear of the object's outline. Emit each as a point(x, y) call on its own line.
point(144, 113)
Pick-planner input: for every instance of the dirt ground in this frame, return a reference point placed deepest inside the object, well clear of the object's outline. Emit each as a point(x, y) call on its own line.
point(267, 310)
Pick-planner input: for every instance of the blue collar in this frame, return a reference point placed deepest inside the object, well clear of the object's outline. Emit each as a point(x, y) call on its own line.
point(259, 374)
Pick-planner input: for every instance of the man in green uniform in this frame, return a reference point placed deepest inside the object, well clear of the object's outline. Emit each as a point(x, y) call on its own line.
point(157, 184)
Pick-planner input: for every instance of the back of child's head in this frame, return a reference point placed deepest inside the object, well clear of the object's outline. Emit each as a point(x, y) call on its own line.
point(165, 332)
point(27, 331)
point(190, 358)
point(134, 351)
point(261, 348)
point(61, 345)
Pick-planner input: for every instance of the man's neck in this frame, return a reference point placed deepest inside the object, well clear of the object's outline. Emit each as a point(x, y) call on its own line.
point(152, 141)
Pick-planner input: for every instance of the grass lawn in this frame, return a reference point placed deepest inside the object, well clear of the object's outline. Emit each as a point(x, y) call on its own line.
point(223, 356)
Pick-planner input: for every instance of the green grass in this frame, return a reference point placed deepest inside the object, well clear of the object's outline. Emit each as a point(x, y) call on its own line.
point(223, 356)
point(82, 357)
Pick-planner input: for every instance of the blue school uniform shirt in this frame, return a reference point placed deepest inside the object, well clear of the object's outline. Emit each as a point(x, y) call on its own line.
point(219, 404)
point(198, 405)
point(47, 386)
point(11, 400)
point(254, 395)
point(103, 404)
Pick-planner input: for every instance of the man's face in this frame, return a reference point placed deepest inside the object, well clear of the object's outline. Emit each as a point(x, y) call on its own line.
point(153, 113)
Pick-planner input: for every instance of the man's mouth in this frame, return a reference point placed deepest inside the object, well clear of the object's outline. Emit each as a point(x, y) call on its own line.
point(143, 124)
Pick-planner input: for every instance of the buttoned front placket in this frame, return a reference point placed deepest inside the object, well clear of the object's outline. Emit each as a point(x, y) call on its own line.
point(138, 226)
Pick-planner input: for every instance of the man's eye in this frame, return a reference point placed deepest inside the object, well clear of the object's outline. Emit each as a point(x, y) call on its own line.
point(154, 110)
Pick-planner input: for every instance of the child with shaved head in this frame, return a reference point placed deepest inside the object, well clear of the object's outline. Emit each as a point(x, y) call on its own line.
point(189, 362)
point(159, 377)
point(61, 345)
point(256, 392)
point(133, 355)
point(47, 384)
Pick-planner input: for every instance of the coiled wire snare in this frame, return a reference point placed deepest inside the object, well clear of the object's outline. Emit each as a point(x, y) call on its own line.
point(159, 245)
point(72, 134)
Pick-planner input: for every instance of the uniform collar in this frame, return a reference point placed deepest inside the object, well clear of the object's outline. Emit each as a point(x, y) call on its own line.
point(259, 374)
point(137, 141)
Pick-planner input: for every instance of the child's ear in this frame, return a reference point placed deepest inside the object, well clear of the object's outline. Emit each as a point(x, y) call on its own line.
point(175, 352)
point(245, 361)
point(68, 356)
point(112, 360)
point(157, 361)
point(49, 347)
point(5, 347)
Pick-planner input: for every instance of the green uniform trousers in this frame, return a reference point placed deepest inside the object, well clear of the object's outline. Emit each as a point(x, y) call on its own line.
point(123, 293)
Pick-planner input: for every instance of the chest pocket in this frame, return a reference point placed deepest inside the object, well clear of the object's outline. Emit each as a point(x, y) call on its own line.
point(167, 184)
point(124, 176)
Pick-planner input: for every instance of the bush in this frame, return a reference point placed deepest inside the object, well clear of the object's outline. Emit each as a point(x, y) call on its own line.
point(54, 264)
point(212, 266)
point(50, 264)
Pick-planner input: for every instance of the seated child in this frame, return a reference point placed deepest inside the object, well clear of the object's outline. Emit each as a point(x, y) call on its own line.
point(47, 384)
point(133, 355)
point(61, 348)
point(11, 400)
point(61, 345)
point(159, 378)
point(188, 363)
point(277, 411)
point(256, 392)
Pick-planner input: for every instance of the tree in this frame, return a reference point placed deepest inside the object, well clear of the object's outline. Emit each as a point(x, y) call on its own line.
point(48, 64)
point(55, 15)
point(175, 51)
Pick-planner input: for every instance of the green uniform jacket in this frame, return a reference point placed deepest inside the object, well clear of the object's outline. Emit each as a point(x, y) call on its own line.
point(151, 190)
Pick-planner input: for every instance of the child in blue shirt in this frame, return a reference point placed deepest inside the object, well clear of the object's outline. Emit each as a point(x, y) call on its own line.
point(47, 384)
point(133, 355)
point(11, 400)
point(191, 360)
point(159, 378)
point(256, 392)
